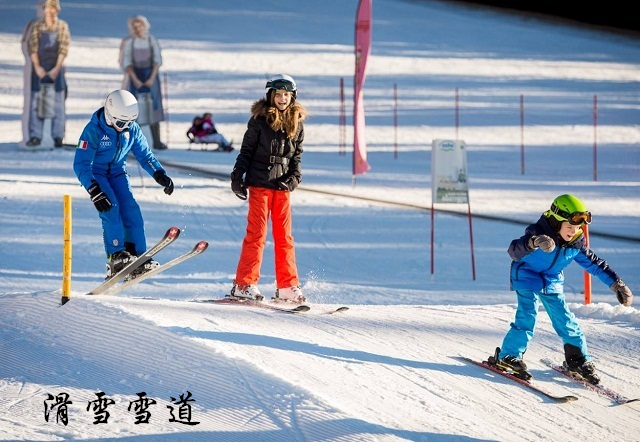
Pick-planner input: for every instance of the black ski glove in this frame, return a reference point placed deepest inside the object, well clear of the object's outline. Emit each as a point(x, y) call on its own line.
point(99, 198)
point(161, 178)
point(237, 183)
point(288, 183)
point(544, 242)
point(623, 293)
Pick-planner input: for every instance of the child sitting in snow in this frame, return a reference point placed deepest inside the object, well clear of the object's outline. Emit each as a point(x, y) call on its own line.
point(203, 131)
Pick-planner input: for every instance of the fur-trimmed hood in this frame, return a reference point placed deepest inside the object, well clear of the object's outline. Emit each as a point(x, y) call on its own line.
point(287, 120)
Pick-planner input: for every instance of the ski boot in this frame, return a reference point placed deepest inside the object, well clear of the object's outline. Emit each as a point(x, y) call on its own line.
point(578, 366)
point(245, 293)
point(585, 372)
point(117, 262)
point(510, 364)
point(289, 294)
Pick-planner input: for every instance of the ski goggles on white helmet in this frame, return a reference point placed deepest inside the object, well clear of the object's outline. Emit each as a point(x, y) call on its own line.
point(118, 123)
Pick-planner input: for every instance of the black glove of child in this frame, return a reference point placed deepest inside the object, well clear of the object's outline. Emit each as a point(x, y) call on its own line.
point(237, 183)
point(161, 178)
point(288, 183)
point(623, 293)
point(99, 198)
point(544, 242)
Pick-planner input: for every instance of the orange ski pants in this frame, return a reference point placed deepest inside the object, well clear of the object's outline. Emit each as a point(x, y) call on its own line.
point(262, 203)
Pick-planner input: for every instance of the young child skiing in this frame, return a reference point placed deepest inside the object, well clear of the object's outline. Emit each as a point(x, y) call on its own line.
point(539, 257)
point(269, 166)
point(100, 165)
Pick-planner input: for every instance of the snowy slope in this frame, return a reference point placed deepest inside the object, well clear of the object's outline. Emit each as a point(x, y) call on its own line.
point(388, 368)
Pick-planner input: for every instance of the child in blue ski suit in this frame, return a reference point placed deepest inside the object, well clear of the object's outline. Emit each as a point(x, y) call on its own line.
point(539, 257)
point(100, 165)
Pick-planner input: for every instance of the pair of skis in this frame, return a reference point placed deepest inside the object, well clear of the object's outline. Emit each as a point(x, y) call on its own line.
point(616, 397)
point(111, 286)
point(261, 304)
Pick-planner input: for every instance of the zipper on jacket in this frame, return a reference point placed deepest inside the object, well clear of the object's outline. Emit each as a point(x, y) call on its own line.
point(117, 154)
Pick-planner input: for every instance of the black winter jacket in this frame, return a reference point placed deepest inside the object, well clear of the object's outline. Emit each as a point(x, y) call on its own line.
point(268, 156)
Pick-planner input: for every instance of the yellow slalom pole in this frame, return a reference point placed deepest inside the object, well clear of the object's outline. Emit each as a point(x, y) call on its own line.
point(66, 258)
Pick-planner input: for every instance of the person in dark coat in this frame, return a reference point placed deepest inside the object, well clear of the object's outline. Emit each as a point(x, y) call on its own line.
point(267, 169)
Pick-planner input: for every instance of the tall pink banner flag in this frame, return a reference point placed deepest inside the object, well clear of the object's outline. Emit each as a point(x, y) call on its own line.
point(363, 48)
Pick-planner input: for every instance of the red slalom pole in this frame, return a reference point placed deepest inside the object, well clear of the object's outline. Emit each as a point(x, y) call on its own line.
point(342, 123)
point(457, 117)
point(522, 134)
point(595, 138)
point(166, 107)
point(395, 120)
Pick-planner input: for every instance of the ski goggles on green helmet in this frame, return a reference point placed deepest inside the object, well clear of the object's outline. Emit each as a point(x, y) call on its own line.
point(575, 218)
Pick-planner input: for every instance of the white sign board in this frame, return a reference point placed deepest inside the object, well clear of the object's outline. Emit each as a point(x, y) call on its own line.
point(449, 172)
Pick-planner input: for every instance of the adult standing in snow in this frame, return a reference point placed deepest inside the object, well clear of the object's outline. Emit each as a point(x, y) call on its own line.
point(48, 47)
point(100, 165)
point(268, 169)
point(28, 67)
point(539, 258)
point(140, 59)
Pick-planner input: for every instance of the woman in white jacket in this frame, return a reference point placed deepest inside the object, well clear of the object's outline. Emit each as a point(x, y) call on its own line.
point(140, 59)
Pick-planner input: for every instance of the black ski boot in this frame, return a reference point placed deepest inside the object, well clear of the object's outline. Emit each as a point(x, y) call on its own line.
point(576, 364)
point(118, 261)
point(511, 364)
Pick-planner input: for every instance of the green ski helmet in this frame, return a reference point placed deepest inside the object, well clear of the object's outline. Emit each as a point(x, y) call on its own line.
point(569, 208)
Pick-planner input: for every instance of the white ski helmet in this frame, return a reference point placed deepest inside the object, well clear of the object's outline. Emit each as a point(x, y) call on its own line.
point(281, 82)
point(120, 109)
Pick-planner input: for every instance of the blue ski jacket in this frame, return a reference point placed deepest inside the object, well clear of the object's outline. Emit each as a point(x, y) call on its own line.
point(539, 271)
point(103, 151)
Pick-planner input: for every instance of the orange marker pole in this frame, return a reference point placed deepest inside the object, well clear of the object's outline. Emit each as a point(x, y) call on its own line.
point(587, 275)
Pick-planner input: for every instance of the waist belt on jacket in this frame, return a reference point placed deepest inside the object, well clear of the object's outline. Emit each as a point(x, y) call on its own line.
point(278, 160)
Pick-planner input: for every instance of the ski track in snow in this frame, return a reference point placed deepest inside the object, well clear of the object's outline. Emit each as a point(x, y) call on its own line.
point(248, 368)
point(387, 369)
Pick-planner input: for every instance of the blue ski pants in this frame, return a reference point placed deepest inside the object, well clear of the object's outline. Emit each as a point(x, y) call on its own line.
point(123, 223)
point(522, 328)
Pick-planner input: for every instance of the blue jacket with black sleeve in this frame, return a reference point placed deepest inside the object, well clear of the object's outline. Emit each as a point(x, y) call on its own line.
point(536, 270)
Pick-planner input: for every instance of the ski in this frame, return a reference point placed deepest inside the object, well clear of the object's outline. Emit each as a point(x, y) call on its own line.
point(529, 384)
point(344, 308)
point(604, 391)
point(197, 250)
point(169, 237)
point(332, 311)
point(249, 303)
